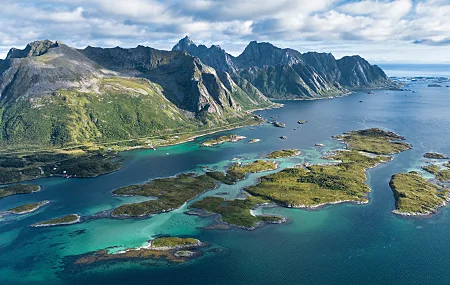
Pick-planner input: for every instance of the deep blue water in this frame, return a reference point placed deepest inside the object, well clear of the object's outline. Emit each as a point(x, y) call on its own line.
point(339, 244)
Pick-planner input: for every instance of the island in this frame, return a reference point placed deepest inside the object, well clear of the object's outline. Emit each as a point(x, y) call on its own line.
point(443, 175)
point(284, 153)
point(66, 220)
point(311, 186)
point(435, 155)
point(301, 122)
point(171, 193)
point(278, 124)
point(236, 212)
point(375, 140)
point(6, 191)
point(27, 208)
point(167, 249)
point(254, 140)
point(223, 139)
point(415, 195)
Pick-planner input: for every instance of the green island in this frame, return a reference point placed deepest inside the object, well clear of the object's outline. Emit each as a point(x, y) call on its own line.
point(284, 153)
point(374, 141)
point(27, 208)
point(238, 171)
point(237, 212)
point(18, 189)
point(66, 220)
point(223, 139)
point(312, 186)
point(435, 155)
point(443, 175)
point(317, 185)
point(169, 249)
point(15, 168)
point(171, 193)
point(414, 195)
point(169, 243)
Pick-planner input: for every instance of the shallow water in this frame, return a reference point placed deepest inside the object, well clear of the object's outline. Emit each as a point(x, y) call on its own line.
point(338, 244)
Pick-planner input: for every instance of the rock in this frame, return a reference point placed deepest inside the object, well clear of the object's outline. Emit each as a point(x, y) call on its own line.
point(278, 124)
point(301, 122)
point(254, 140)
point(283, 137)
point(319, 145)
point(184, 253)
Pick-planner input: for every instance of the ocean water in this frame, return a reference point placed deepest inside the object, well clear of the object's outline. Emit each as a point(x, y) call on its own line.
point(338, 244)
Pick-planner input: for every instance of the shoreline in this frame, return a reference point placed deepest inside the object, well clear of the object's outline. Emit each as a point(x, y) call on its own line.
point(40, 225)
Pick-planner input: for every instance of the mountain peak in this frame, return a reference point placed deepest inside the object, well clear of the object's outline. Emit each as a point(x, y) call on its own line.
point(35, 48)
point(184, 44)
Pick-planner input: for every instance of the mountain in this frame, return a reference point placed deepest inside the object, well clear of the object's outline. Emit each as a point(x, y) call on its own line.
point(288, 74)
point(52, 94)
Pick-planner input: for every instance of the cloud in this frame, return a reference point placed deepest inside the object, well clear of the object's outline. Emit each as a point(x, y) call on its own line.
point(230, 23)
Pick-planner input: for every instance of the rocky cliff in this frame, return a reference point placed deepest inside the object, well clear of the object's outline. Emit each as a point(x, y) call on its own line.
point(289, 74)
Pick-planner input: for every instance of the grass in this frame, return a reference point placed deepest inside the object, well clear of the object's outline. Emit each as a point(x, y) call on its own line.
point(435, 155)
point(414, 194)
point(171, 193)
point(283, 153)
point(69, 219)
point(18, 189)
point(26, 208)
point(375, 141)
point(173, 242)
point(223, 139)
point(237, 171)
point(442, 175)
point(319, 184)
point(235, 212)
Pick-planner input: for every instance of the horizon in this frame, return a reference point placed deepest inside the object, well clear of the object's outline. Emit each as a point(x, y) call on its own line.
point(388, 31)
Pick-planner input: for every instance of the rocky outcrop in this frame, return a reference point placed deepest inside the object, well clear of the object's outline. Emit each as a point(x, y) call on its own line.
point(288, 74)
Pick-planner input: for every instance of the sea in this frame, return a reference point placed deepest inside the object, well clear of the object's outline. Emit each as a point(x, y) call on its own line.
point(336, 244)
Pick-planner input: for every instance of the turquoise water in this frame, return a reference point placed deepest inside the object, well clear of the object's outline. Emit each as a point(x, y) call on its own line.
point(339, 244)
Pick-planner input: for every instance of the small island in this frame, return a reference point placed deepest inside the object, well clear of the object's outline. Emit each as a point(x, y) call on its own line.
point(434, 155)
point(374, 141)
point(27, 208)
point(223, 139)
point(237, 212)
point(66, 220)
point(278, 124)
point(301, 122)
point(168, 249)
point(284, 153)
point(171, 193)
point(254, 140)
point(414, 195)
point(18, 189)
point(443, 175)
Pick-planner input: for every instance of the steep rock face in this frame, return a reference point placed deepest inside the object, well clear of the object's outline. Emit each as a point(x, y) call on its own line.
point(356, 72)
point(262, 54)
point(187, 82)
point(214, 56)
point(51, 94)
point(286, 73)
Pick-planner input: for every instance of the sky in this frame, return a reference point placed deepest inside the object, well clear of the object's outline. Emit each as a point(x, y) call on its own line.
point(382, 31)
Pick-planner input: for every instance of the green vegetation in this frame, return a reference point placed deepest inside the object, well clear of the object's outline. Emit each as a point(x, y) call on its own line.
point(172, 193)
point(69, 164)
point(283, 153)
point(414, 195)
point(442, 175)
point(320, 184)
point(18, 189)
point(238, 171)
point(174, 242)
point(435, 155)
point(374, 141)
point(236, 212)
point(223, 139)
point(66, 220)
point(221, 177)
point(447, 164)
point(27, 208)
point(431, 168)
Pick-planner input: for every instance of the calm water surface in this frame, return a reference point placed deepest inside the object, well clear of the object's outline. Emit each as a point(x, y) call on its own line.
point(339, 244)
